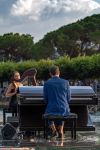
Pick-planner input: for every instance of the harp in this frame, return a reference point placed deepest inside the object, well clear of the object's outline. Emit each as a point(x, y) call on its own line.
point(27, 78)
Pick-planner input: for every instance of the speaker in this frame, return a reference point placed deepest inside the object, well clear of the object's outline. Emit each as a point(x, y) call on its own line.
point(8, 132)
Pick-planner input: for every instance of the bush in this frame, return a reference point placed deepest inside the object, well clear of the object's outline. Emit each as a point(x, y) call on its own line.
point(76, 68)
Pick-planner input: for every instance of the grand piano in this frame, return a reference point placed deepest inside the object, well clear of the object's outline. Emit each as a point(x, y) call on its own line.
point(31, 106)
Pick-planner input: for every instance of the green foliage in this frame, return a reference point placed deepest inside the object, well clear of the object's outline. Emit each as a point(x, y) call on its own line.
point(95, 60)
point(23, 66)
point(43, 68)
point(16, 47)
point(95, 36)
point(66, 67)
point(6, 70)
point(42, 50)
point(76, 68)
point(82, 66)
point(65, 38)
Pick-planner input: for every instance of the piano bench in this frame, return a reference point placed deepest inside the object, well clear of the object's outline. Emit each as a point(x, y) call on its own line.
point(72, 117)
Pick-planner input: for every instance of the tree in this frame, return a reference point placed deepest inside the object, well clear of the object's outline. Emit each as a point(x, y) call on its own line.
point(96, 38)
point(16, 46)
point(72, 40)
point(85, 42)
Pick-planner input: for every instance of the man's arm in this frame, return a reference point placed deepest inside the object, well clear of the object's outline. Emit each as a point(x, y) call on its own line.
point(45, 94)
point(68, 92)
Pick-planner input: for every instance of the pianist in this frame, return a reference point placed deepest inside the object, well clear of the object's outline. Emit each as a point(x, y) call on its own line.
point(57, 97)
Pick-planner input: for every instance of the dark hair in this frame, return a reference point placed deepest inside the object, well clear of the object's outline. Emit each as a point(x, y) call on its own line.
point(54, 70)
point(12, 77)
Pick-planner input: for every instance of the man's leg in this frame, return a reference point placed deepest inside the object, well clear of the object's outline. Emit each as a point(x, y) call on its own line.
point(52, 126)
point(52, 129)
point(60, 128)
point(60, 131)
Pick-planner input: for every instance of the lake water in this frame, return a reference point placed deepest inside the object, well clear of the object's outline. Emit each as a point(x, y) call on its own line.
point(85, 140)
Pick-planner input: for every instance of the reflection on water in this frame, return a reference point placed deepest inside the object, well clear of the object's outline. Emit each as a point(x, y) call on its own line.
point(65, 148)
point(95, 117)
point(39, 148)
point(86, 140)
point(1, 116)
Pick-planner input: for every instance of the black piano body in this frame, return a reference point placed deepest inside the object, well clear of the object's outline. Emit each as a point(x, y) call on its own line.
point(31, 107)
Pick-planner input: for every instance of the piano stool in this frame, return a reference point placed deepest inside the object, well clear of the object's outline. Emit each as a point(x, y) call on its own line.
point(72, 117)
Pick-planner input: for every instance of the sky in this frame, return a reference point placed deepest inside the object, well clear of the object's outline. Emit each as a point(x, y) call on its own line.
point(38, 17)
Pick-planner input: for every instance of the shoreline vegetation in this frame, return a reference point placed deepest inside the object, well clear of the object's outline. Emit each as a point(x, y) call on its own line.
point(79, 68)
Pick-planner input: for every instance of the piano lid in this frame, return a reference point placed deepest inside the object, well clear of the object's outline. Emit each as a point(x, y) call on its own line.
point(75, 90)
point(31, 90)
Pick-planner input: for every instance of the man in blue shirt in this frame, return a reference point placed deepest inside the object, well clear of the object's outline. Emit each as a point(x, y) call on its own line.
point(57, 97)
